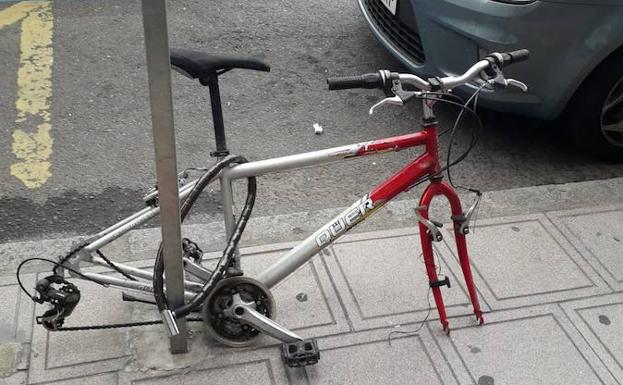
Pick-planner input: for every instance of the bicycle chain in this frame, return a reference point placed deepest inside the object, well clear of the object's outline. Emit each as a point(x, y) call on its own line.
point(72, 253)
point(81, 246)
point(118, 326)
point(111, 264)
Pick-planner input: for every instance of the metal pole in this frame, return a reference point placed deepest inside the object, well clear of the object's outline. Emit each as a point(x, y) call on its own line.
point(159, 75)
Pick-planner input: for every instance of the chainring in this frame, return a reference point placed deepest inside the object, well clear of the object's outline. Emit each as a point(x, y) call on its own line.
point(230, 331)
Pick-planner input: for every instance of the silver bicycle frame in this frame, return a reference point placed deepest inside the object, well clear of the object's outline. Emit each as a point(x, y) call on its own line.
point(309, 247)
point(285, 266)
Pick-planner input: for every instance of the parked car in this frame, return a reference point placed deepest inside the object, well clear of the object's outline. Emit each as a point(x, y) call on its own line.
point(575, 72)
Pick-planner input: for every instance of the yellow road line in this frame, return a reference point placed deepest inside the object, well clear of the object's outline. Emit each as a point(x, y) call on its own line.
point(16, 12)
point(32, 141)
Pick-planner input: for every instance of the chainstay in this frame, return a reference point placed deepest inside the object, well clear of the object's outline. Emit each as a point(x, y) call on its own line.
point(118, 326)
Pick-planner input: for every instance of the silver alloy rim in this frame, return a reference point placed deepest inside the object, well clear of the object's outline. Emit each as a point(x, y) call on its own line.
point(612, 115)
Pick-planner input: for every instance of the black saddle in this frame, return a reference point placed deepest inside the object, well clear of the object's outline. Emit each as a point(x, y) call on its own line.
point(196, 64)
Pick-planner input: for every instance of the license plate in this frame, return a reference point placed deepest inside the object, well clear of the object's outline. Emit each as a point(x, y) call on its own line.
point(391, 5)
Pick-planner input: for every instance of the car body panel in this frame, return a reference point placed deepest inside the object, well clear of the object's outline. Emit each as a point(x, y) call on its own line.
point(567, 41)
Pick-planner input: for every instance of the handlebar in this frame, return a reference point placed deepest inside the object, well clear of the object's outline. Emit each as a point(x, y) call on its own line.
point(383, 79)
point(369, 81)
point(508, 58)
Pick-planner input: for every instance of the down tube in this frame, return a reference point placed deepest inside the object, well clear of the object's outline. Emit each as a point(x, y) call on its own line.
point(323, 237)
point(349, 218)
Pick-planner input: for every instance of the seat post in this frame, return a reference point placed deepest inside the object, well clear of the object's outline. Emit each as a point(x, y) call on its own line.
point(217, 118)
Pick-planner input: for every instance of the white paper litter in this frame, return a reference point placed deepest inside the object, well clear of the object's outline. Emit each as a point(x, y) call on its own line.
point(317, 129)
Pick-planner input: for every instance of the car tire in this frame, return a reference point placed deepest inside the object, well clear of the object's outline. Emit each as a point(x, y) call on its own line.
point(586, 116)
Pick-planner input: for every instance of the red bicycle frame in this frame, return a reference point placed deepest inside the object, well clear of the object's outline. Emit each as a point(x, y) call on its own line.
point(427, 164)
point(424, 166)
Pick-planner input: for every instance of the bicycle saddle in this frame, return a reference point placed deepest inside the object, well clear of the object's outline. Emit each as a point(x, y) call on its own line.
point(196, 64)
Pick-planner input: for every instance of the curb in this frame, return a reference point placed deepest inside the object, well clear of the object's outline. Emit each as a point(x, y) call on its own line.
point(140, 244)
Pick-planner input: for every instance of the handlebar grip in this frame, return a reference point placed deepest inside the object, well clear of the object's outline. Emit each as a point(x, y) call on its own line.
point(369, 81)
point(509, 58)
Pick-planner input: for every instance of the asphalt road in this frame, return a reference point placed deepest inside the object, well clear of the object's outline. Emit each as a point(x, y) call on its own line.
point(101, 159)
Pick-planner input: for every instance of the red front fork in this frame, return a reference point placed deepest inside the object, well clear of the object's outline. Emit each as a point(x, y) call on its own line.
point(426, 164)
point(438, 187)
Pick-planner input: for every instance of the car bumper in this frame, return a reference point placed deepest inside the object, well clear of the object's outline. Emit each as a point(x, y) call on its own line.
point(454, 34)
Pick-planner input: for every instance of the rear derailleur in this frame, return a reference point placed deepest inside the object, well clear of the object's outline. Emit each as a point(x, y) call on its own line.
point(62, 295)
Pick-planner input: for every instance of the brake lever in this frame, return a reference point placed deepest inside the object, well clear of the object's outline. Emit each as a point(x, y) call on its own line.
point(499, 81)
point(516, 83)
point(400, 97)
point(396, 100)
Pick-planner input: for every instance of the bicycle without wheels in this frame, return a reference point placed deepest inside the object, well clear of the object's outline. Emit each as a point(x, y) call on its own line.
point(235, 308)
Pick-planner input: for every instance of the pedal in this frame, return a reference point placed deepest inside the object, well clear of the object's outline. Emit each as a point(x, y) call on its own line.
point(300, 353)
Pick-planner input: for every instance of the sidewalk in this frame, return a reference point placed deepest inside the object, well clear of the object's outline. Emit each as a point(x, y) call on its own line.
point(549, 272)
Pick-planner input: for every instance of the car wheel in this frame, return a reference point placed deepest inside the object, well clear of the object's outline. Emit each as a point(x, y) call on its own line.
point(595, 114)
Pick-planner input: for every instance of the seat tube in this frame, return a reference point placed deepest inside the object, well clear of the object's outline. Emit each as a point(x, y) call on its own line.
point(217, 118)
point(227, 200)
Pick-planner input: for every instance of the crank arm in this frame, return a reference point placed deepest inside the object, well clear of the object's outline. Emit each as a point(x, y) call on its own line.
point(196, 270)
point(245, 312)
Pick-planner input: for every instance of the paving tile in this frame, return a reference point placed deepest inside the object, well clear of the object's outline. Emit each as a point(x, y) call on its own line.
point(17, 309)
point(598, 235)
point(100, 379)
point(19, 378)
point(10, 354)
point(383, 280)
point(522, 351)
point(60, 355)
point(599, 320)
point(351, 297)
point(72, 348)
point(406, 361)
point(606, 321)
point(306, 303)
point(225, 366)
point(16, 320)
point(253, 373)
point(9, 301)
point(305, 299)
point(524, 260)
point(357, 358)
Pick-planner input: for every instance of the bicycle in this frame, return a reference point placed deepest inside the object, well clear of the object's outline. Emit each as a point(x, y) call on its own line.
point(235, 308)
